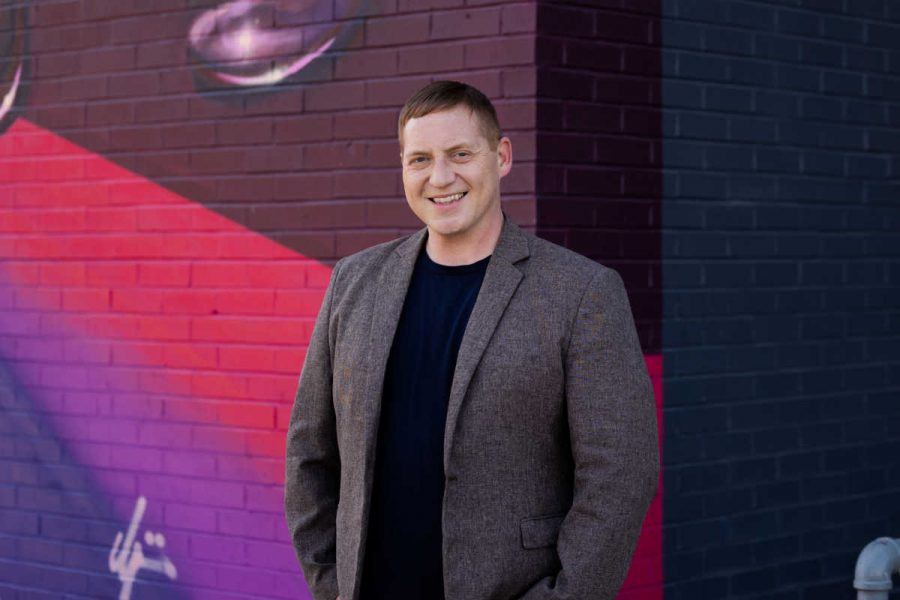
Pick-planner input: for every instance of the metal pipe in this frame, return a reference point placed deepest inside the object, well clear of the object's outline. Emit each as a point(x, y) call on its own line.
point(874, 567)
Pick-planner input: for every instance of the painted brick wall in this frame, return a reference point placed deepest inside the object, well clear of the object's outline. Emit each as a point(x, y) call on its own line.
point(598, 180)
point(781, 220)
point(166, 239)
point(311, 163)
point(599, 142)
point(150, 350)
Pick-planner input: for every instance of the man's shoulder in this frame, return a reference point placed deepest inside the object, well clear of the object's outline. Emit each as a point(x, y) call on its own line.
point(553, 259)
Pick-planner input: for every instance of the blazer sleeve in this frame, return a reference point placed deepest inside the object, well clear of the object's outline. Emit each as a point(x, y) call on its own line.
point(613, 432)
point(312, 465)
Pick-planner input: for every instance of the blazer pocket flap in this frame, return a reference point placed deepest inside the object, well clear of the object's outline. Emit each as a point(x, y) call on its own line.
point(540, 532)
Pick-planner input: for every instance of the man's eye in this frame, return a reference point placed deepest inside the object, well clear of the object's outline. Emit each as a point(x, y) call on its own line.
point(462, 154)
point(418, 160)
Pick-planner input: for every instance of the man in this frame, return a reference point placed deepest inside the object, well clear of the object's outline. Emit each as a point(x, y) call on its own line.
point(474, 419)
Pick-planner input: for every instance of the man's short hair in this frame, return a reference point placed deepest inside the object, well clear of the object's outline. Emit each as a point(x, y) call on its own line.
point(444, 95)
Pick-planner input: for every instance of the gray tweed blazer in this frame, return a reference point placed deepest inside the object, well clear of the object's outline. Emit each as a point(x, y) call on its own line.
point(550, 443)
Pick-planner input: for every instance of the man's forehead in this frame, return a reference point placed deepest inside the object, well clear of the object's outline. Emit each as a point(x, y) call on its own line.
point(430, 144)
point(444, 131)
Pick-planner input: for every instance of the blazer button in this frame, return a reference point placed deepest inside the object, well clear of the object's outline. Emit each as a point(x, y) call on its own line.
point(451, 477)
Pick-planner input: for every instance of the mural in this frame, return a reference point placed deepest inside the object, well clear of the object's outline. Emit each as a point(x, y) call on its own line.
point(261, 43)
point(176, 181)
point(127, 557)
point(13, 35)
point(164, 359)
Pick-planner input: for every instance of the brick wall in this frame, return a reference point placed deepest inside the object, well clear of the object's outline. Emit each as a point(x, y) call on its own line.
point(599, 142)
point(598, 179)
point(150, 350)
point(166, 239)
point(780, 246)
point(311, 163)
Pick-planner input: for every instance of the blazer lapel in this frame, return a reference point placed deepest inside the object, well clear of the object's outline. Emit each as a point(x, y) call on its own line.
point(500, 282)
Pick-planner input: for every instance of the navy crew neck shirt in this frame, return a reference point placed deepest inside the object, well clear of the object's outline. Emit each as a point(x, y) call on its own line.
point(403, 557)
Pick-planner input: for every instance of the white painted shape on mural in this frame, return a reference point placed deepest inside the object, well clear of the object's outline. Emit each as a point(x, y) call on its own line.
point(126, 557)
point(10, 96)
point(244, 51)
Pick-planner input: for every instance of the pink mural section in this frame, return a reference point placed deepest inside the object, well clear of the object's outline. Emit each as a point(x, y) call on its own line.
point(645, 577)
point(152, 346)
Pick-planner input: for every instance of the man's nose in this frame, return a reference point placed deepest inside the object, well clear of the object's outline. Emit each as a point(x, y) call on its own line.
point(442, 173)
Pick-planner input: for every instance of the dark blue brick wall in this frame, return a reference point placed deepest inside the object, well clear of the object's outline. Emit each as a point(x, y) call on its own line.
point(781, 246)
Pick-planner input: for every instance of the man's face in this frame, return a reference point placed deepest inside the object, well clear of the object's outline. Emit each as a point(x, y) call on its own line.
point(451, 175)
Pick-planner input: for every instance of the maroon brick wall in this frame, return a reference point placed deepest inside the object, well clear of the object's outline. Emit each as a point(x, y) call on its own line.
point(599, 142)
point(313, 162)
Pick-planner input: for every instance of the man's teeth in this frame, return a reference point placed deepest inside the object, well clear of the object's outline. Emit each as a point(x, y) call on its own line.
point(448, 199)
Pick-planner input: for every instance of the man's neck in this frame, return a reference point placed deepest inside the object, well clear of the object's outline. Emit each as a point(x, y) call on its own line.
point(453, 251)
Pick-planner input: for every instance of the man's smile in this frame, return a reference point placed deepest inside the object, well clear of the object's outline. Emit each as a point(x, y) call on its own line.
point(448, 199)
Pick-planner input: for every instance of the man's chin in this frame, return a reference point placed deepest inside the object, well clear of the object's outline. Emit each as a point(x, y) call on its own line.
point(447, 228)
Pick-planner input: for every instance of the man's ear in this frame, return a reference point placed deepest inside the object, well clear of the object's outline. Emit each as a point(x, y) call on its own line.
point(504, 156)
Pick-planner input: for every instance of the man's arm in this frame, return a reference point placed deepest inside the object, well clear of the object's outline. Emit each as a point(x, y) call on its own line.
point(312, 466)
point(612, 425)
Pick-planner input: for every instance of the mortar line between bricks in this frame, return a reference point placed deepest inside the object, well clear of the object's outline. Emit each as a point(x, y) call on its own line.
point(777, 8)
